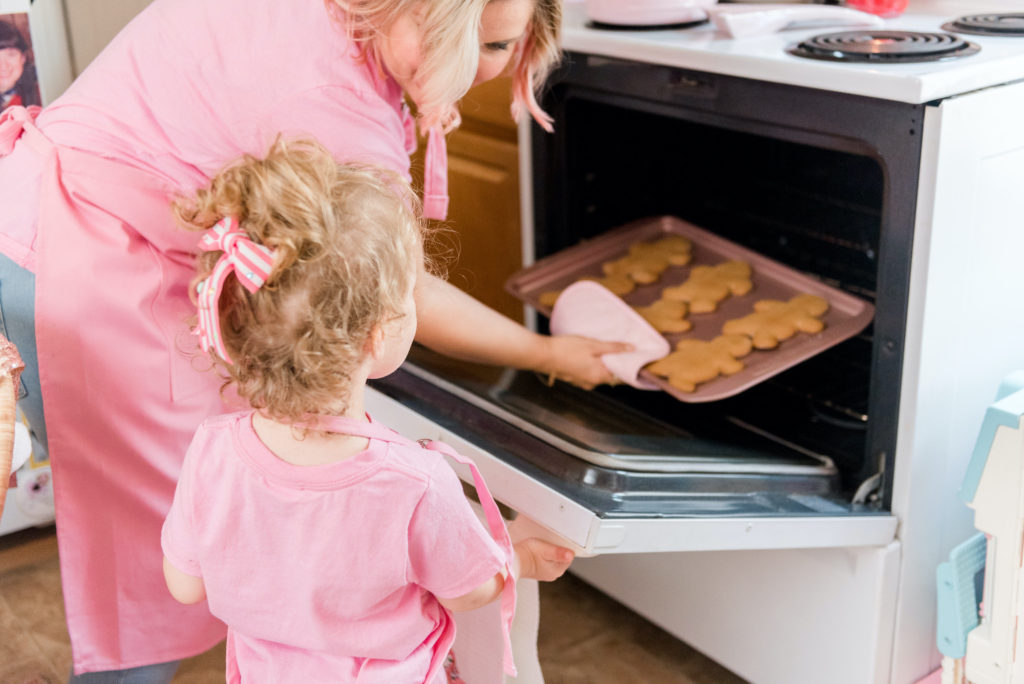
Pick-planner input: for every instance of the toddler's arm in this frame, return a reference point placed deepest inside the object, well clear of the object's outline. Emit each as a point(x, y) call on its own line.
point(184, 588)
point(534, 559)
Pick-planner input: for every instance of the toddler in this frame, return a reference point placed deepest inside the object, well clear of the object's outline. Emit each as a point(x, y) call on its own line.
point(333, 548)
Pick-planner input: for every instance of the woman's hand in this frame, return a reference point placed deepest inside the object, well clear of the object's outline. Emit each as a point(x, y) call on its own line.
point(541, 560)
point(578, 360)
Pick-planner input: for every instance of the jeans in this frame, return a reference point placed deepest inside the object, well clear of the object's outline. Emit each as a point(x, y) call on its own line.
point(17, 323)
point(160, 673)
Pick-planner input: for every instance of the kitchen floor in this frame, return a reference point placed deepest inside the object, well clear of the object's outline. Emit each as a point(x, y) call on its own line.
point(585, 637)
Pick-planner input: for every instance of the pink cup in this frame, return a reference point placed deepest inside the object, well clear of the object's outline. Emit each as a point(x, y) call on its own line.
point(883, 8)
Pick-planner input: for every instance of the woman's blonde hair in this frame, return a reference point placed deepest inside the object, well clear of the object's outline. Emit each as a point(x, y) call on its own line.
point(451, 50)
point(347, 243)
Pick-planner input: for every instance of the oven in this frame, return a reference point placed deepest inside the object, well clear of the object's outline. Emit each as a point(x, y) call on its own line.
point(791, 531)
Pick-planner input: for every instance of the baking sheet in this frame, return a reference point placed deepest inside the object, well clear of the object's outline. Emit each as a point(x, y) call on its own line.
point(847, 314)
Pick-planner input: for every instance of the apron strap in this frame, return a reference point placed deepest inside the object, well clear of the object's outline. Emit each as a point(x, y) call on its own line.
point(435, 176)
point(499, 532)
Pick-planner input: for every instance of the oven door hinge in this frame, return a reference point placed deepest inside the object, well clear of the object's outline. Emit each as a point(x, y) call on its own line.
point(868, 490)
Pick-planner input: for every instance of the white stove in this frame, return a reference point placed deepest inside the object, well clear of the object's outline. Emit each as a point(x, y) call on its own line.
point(964, 112)
point(921, 160)
point(705, 48)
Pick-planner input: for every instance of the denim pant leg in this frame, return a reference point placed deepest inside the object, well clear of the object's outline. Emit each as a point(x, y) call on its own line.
point(159, 673)
point(17, 323)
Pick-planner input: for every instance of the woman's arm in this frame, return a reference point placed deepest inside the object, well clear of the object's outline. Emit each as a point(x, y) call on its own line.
point(453, 323)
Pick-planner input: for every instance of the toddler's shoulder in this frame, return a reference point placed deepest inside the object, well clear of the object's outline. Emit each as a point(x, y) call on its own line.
point(224, 421)
point(428, 467)
point(416, 458)
point(220, 431)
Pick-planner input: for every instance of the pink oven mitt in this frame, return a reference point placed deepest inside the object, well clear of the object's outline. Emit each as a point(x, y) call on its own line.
point(591, 310)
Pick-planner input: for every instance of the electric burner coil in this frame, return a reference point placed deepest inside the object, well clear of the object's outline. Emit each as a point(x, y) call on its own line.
point(883, 47)
point(1010, 24)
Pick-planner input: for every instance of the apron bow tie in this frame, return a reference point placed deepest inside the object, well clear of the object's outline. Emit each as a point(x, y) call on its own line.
point(251, 263)
point(12, 123)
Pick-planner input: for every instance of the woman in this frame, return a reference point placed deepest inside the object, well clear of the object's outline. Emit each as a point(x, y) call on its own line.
point(186, 87)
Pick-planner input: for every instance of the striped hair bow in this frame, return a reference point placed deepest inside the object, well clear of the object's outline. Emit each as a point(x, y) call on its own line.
point(250, 262)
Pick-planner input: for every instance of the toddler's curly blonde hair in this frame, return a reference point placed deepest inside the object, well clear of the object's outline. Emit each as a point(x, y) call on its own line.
point(347, 241)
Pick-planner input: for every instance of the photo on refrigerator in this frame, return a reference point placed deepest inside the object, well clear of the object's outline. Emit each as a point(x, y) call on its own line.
point(19, 84)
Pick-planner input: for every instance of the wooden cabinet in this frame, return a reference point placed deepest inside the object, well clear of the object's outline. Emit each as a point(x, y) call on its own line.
point(483, 183)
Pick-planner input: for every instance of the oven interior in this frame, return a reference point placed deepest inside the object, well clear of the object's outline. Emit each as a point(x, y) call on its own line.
point(814, 209)
point(823, 182)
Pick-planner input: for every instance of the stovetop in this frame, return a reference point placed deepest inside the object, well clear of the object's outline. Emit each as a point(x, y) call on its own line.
point(999, 59)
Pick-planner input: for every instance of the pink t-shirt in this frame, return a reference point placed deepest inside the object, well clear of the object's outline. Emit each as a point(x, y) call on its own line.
point(325, 572)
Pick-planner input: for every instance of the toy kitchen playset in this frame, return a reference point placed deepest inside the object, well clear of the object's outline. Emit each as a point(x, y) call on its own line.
point(791, 530)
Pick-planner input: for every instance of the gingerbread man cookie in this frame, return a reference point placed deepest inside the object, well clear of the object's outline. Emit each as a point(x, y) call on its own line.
point(697, 361)
point(549, 298)
point(646, 261)
point(774, 320)
point(674, 250)
point(642, 271)
point(618, 283)
point(709, 285)
point(666, 316)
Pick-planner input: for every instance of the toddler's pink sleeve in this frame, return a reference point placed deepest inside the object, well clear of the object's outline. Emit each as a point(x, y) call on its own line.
point(450, 551)
point(177, 538)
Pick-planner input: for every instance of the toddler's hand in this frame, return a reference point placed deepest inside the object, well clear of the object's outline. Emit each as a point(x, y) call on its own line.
point(541, 560)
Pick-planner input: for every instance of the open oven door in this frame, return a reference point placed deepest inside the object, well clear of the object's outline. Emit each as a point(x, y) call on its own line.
point(608, 472)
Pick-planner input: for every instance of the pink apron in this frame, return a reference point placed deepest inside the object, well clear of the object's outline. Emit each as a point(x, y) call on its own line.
point(123, 388)
point(111, 311)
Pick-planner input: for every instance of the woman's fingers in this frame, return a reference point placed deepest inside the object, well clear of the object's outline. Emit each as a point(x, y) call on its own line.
point(577, 360)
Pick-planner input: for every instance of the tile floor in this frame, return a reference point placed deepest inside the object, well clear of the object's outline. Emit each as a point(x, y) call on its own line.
point(585, 637)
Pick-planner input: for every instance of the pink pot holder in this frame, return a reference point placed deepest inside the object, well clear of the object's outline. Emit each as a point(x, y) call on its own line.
point(591, 310)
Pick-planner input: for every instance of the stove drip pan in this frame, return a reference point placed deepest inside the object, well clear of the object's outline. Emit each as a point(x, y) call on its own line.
point(1010, 24)
point(896, 47)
